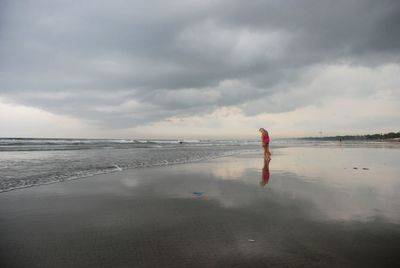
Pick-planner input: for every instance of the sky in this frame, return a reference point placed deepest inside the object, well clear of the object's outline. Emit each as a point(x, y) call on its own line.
point(198, 68)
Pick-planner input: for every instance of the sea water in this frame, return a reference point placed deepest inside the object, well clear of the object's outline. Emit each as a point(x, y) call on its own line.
point(26, 162)
point(29, 162)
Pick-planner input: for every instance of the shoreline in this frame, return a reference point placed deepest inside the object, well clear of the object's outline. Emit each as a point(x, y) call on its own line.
point(119, 169)
point(274, 146)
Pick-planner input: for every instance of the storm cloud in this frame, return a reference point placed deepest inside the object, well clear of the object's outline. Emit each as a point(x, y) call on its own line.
point(128, 63)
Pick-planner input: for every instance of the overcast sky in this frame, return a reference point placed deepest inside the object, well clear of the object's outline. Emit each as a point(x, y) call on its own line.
point(198, 68)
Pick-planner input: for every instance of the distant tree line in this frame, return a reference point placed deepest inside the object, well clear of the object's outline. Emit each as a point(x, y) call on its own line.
point(387, 136)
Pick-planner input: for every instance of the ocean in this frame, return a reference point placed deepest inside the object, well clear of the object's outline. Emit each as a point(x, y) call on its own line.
point(26, 162)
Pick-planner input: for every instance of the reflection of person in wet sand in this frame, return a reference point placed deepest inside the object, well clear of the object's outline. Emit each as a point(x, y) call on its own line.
point(265, 143)
point(265, 173)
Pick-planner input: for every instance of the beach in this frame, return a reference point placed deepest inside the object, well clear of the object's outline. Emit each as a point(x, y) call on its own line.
point(310, 206)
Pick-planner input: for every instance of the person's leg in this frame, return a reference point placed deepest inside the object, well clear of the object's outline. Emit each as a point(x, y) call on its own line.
point(268, 153)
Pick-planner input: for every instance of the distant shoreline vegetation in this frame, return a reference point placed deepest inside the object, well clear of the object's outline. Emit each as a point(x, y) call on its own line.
point(372, 137)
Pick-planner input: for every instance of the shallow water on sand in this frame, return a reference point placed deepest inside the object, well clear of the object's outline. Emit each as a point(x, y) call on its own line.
point(345, 183)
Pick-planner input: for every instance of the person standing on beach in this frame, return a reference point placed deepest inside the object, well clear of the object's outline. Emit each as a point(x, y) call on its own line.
point(265, 143)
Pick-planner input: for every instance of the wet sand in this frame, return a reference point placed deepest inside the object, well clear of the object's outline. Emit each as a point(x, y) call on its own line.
point(310, 207)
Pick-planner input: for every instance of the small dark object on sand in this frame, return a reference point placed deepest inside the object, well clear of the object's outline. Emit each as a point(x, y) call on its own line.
point(355, 167)
point(364, 168)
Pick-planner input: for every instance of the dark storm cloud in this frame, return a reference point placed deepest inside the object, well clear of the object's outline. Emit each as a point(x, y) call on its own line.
point(126, 63)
